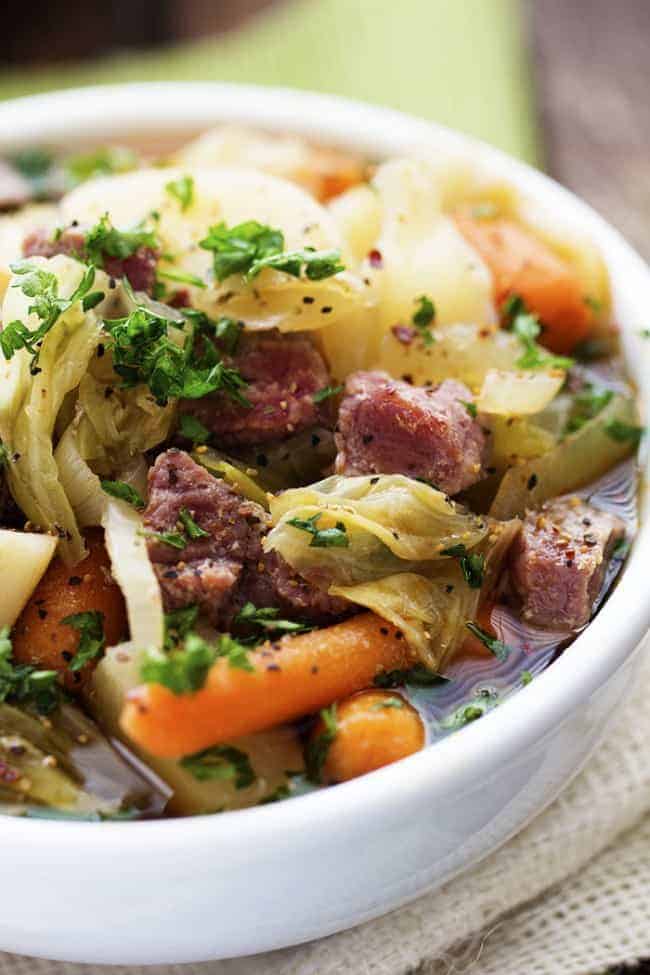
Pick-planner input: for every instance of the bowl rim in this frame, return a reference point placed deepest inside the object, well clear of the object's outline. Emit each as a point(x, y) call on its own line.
point(87, 114)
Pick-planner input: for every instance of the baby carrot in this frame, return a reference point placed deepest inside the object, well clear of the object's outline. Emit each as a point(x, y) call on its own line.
point(523, 265)
point(370, 729)
point(292, 677)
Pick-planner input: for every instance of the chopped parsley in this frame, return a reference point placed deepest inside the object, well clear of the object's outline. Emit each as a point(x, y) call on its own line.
point(144, 353)
point(104, 240)
point(336, 537)
point(417, 676)
point(178, 624)
point(587, 404)
point(193, 429)
point(500, 649)
point(4, 455)
point(182, 277)
point(527, 329)
point(389, 702)
point(192, 530)
point(266, 620)
point(24, 684)
point(227, 332)
point(251, 246)
point(35, 165)
point(464, 715)
point(124, 492)
point(100, 162)
point(423, 317)
point(317, 748)
point(43, 287)
point(624, 432)
point(182, 189)
point(471, 564)
point(173, 539)
point(326, 393)
point(525, 677)
point(185, 669)
point(222, 763)
point(90, 626)
point(471, 408)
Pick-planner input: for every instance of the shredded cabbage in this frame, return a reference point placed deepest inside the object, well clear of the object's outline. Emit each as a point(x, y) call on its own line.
point(391, 522)
point(29, 403)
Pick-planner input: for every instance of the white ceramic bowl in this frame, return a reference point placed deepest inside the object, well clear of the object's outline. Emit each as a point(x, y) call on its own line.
point(244, 882)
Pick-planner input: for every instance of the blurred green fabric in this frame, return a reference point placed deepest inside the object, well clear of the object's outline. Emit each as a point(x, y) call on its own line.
point(460, 62)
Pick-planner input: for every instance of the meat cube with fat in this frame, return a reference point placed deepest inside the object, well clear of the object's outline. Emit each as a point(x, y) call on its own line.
point(558, 562)
point(139, 268)
point(227, 567)
point(283, 373)
point(387, 426)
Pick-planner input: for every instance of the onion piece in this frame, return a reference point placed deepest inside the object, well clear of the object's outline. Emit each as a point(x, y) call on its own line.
point(518, 393)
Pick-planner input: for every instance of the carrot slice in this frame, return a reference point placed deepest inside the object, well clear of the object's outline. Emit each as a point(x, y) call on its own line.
point(523, 265)
point(373, 729)
point(295, 676)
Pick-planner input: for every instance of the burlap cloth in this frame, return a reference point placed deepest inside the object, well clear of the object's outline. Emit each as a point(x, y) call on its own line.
point(588, 854)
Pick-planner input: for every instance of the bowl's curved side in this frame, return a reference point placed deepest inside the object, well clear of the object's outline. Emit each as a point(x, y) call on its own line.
point(328, 861)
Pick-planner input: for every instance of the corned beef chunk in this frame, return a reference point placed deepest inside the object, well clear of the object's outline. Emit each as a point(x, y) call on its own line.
point(228, 567)
point(139, 268)
point(283, 373)
point(389, 427)
point(558, 562)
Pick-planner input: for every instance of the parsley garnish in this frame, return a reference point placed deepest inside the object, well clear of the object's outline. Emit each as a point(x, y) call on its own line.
point(105, 240)
point(586, 405)
point(92, 641)
point(471, 564)
point(389, 702)
point(266, 620)
point(464, 715)
point(182, 277)
point(183, 190)
point(417, 676)
point(178, 624)
point(223, 763)
point(100, 162)
point(325, 393)
point(624, 432)
point(124, 492)
point(251, 246)
point(23, 683)
point(193, 429)
point(527, 329)
point(500, 650)
point(4, 455)
point(228, 332)
point(181, 671)
point(43, 287)
point(471, 408)
point(186, 669)
point(423, 317)
point(36, 167)
point(173, 539)
point(143, 353)
point(192, 530)
point(322, 537)
point(525, 677)
point(316, 750)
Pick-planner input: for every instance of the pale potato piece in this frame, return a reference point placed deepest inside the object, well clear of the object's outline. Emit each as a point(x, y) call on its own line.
point(231, 196)
point(271, 753)
point(24, 557)
point(519, 393)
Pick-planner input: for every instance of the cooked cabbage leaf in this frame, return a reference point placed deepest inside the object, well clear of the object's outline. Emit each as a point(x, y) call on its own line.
point(391, 522)
point(31, 400)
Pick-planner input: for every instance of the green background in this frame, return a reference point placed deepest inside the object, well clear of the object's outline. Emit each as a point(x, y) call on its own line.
point(460, 62)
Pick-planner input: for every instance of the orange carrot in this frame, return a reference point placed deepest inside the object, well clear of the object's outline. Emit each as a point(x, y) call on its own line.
point(523, 265)
point(290, 678)
point(42, 639)
point(372, 729)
